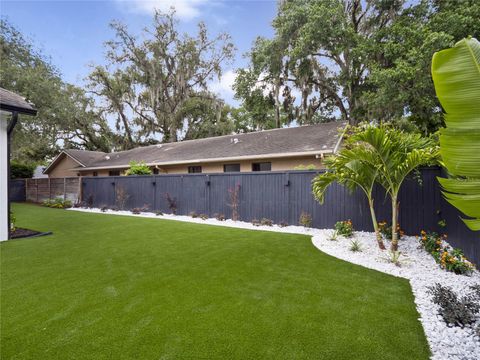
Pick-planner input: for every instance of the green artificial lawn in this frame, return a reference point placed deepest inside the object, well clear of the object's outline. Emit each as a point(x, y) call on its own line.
point(116, 287)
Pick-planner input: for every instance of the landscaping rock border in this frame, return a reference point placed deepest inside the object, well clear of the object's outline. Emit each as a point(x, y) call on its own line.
point(419, 267)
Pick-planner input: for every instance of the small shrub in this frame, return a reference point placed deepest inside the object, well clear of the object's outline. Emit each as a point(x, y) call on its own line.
point(145, 208)
point(450, 259)
point(219, 217)
point(283, 223)
point(121, 197)
point(136, 211)
point(386, 230)
point(394, 257)
point(234, 204)
point(79, 204)
point(355, 246)
point(172, 203)
point(344, 228)
point(333, 236)
point(57, 203)
point(455, 311)
point(193, 214)
point(138, 168)
point(89, 201)
point(305, 219)
point(203, 216)
point(266, 222)
point(104, 208)
point(13, 220)
point(114, 208)
point(256, 222)
point(158, 213)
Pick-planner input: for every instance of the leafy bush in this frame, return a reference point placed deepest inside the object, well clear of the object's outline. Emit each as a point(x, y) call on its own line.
point(172, 203)
point(455, 311)
point(386, 230)
point(21, 170)
point(104, 208)
point(256, 222)
point(57, 203)
point(450, 259)
point(305, 167)
point(193, 214)
point(158, 213)
point(203, 216)
point(266, 222)
point(219, 217)
point(344, 228)
point(305, 219)
point(136, 211)
point(138, 168)
point(355, 246)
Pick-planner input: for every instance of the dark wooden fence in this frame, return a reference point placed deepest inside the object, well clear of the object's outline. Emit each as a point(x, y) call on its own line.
point(282, 197)
point(17, 190)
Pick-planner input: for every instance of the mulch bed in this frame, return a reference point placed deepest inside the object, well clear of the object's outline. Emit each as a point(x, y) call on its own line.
point(19, 233)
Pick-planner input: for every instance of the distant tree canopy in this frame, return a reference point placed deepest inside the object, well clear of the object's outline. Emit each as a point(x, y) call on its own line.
point(157, 86)
point(353, 60)
point(21, 170)
point(66, 116)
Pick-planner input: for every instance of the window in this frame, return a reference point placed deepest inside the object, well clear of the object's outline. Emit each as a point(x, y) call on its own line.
point(155, 171)
point(231, 168)
point(95, 173)
point(114, 173)
point(264, 166)
point(194, 169)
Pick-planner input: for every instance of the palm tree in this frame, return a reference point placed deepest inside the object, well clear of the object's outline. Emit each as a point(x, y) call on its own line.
point(395, 154)
point(345, 168)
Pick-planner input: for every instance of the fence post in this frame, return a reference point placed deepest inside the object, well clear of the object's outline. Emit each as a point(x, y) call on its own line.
point(207, 195)
point(154, 183)
point(80, 189)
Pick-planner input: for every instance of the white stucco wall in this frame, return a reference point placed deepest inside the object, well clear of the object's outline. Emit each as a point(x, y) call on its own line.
point(3, 176)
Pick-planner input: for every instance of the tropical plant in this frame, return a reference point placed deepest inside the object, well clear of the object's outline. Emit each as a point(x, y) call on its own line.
point(394, 154)
point(138, 168)
point(456, 75)
point(355, 246)
point(344, 228)
point(346, 169)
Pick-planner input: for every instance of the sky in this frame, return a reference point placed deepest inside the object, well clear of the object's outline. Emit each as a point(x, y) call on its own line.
point(72, 33)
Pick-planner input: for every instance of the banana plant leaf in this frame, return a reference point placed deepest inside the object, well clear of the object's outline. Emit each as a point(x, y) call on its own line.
point(456, 76)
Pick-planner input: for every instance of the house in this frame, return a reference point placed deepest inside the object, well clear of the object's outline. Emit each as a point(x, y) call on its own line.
point(269, 150)
point(11, 105)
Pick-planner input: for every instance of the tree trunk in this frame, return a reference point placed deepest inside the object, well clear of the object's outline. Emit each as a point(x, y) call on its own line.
point(277, 104)
point(381, 245)
point(394, 246)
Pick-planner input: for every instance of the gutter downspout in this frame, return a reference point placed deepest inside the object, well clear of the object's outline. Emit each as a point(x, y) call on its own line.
point(11, 126)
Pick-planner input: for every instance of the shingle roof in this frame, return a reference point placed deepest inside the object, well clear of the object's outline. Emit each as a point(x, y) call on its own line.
point(10, 101)
point(85, 157)
point(295, 141)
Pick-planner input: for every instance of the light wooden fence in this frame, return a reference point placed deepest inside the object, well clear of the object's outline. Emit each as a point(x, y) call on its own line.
point(38, 190)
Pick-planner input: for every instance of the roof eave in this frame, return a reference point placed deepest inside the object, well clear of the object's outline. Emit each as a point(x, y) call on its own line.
point(20, 110)
point(221, 159)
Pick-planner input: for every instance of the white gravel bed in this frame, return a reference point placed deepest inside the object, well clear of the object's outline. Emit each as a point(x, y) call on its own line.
point(419, 267)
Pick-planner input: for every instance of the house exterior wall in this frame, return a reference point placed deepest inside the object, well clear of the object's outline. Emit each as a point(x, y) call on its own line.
point(65, 165)
point(4, 225)
point(63, 168)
